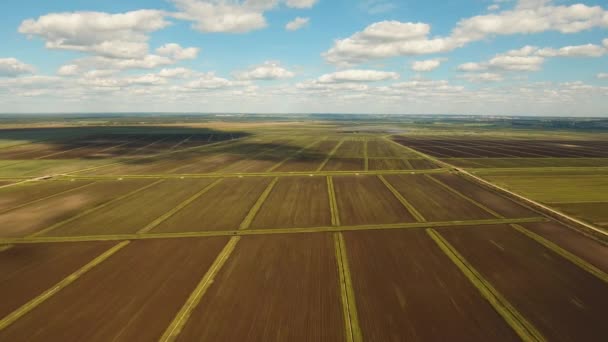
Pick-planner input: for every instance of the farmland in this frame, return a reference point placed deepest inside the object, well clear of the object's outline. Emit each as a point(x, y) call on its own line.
point(303, 228)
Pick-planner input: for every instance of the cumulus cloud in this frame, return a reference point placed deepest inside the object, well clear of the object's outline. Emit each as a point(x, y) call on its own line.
point(177, 52)
point(176, 73)
point(427, 65)
point(209, 81)
point(297, 24)
point(122, 35)
point(12, 67)
point(393, 38)
point(602, 76)
point(358, 76)
point(266, 71)
point(605, 43)
point(224, 16)
point(588, 50)
point(483, 77)
point(300, 3)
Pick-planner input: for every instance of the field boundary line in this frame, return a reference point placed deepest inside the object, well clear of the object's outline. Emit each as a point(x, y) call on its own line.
point(45, 198)
point(366, 155)
point(524, 329)
point(5, 247)
point(300, 151)
point(563, 253)
point(333, 202)
point(29, 306)
point(180, 320)
point(417, 215)
point(177, 208)
point(248, 220)
point(330, 155)
point(347, 291)
point(96, 208)
point(407, 163)
point(269, 231)
point(465, 197)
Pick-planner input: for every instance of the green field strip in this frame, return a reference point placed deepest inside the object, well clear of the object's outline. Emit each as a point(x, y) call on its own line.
point(408, 164)
point(412, 210)
point(177, 208)
point(32, 304)
point(423, 155)
point(258, 205)
point(331, 153)
point(540, 169)
point(46, 198)
point(524, 329)
point(463, 196)
point(178, 323)
point(5, 247)
point(333, 202)
point(94, 209)
point(300, 151)
point(563, 253)
point(272, 231)
point(347, 292)
point(366, 155)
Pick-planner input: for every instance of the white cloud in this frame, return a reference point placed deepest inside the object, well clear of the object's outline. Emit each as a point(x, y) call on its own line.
point(483, 77)
point(297, 24)
point(517, 63)
point(68, 70)
point(177, 52)
point(471, 67)
point(427, 65)
point(176, 73)
point(300, 3)
point(122, 35)
point(589, 50)
point(358, 76)
point(267, 71)
point(209, 81)
point(224, 16)
point(494, 7)
point(12, 67)
point(605, 43)
point(602, 76)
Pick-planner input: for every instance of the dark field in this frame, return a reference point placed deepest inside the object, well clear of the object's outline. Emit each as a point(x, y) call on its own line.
point(300, 228)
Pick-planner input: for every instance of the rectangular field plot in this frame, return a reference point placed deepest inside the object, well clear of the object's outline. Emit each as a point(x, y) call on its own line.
point(350, 149)
point(406, 289)
point(39, 168)
point(295, 202)
point(365, 200)
point(223, 207)
point(433, 201)
point(389, 164)
point(26, 271)
point(272, 288)
point(345, 164)
point(596, 212)
point(385, 149)
point(133, 295)
point(574, 242)
point(40, 215)
point(134, 213)
point(300, 164)
point(18, 195)
point(528, 162)
point(422, 164)
point(564, 302)
point(489, 199)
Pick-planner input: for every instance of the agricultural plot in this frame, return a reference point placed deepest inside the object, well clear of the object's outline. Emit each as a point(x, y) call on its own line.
point(422, 164)
point(133, 295)
point(528, 162)
point(272, 288)
point(44, 214)
point(21, 194)
point(300, 163)
point(561, 300)
point(39, 168)
point(384, 149)
point(389, 164)
point(295, 202)
point(431, 199)
point(399, 280)
point(493, 201)
point(223, 207)
point(345, 164)
point(132, 214)
point(363, 200)
point(351, 149)
point(26, 271)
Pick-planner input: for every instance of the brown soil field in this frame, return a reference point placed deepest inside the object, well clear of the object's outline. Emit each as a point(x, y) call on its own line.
point(406, 289)
point(389, 164)
point(222, 208)
point(272, 288)
point(134, 213)
point(433, 201)
point(325, 146)
point(37, 216)
point(379, 148)
point(494, 201)
point(295, 202)
point(596, 212)
point(422, 164)
point(366, 200)
point(576, 243)
point(133, 295)
point(350, 149)
point(528, 162)
point(23, 193)
point(564, 302)
point(299, 164)
point(345, 164)
point(28, 151)
point(26, 271)
point(210, 163)
point(251, 165)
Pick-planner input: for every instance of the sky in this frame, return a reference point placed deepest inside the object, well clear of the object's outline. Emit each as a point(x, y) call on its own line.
point(482, 57)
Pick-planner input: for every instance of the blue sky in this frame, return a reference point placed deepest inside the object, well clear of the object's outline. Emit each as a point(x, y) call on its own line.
point(526, 57)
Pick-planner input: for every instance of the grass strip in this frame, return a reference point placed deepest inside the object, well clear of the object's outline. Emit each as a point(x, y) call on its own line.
point(258, 205)
point(29, 306)
point(347, 292)
point(524, 329)
point(331, 153)
point(333, 203)
point(417, 215)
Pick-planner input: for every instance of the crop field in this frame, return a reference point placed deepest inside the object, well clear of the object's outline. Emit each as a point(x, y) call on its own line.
point(263, 228)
